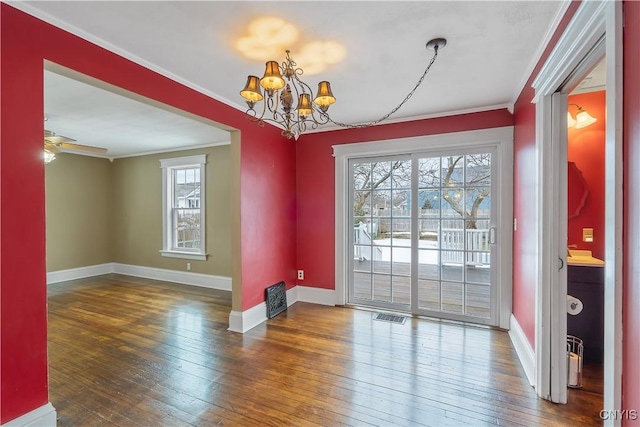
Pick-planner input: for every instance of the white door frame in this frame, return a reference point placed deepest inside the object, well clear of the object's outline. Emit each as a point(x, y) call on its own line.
point(501, 138)
point(591, 22)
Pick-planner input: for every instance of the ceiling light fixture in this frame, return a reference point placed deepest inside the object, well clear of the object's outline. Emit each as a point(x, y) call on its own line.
point(582, 120)
point(311, 111)
point(49, 156)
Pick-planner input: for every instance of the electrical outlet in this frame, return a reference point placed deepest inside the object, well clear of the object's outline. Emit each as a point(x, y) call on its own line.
point(300, 274)
point(188, 266)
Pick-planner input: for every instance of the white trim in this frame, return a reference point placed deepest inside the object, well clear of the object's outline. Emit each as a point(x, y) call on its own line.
point(614, 181)
point(168, 166)
point(341, 227)
point(210, 281)
point(508, 106)
point(544, 42)
point(316, 295)
point(173, 150)
point(198, 159)
point(184, 277)
point(184, 255)
point(523, 349)
point(501, 138)
point(243, 321)
point(583, 32)
point(79, 273)
point(44, 416)
point(592, 21)
point(34, 11)
point(471, 138)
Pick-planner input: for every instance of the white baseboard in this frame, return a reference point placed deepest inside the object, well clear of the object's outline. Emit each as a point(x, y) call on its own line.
point(185, 277)
point(79, 273)
point(316, 295)
point(524, 350)
point(44, 416)
point(242, 321)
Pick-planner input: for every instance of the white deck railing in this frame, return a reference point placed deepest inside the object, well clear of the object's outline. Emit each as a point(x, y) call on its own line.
point(453, 242)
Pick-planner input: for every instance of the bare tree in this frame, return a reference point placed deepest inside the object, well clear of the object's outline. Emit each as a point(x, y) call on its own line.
point(377, 176)
point(477, 172)
point(451, 175)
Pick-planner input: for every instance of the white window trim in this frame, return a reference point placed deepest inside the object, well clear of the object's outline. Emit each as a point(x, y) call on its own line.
point(167, 165)
point(501, 138)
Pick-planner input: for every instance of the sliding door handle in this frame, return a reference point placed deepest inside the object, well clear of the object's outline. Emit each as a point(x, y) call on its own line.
point(492, 235)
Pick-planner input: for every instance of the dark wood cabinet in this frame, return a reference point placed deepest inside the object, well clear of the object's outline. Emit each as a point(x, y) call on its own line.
point(587, 284)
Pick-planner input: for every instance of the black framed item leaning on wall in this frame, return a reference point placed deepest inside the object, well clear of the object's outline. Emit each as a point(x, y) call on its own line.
point(276, 298)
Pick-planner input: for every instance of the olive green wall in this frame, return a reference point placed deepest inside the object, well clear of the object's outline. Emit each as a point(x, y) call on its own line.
point(137, 224)
point(79, 209)
point(132, 199)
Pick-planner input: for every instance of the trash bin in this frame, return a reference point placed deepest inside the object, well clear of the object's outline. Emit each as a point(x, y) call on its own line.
point(575, 353)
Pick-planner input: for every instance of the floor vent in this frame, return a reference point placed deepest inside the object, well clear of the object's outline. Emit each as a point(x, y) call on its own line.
point(390, 318)
point(276, 299)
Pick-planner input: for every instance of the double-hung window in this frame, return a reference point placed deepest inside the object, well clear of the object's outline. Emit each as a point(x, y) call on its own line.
point(183, 202)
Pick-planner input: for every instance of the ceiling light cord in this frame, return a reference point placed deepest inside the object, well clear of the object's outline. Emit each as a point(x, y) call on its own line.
point(282, 87)
point(386, 116)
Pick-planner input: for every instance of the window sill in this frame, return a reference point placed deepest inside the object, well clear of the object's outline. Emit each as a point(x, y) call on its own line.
point(184, 255)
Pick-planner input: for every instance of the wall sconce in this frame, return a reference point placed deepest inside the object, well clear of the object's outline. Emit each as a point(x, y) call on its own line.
point(583, 119)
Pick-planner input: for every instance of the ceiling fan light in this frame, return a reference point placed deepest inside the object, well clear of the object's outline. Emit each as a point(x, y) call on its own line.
point(272, 79)
point(584, 119)
point(48, 156)
point(571, 122)
point(251, 91)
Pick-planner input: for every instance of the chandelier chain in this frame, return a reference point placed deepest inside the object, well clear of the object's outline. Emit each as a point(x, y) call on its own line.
point(386, 116)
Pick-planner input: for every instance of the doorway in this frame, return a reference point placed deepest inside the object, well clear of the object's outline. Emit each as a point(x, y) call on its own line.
point(423, 224)
point(579, 49)
point(423, 228)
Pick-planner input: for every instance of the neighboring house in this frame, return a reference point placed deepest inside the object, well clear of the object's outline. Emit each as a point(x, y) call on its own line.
point(283, 199)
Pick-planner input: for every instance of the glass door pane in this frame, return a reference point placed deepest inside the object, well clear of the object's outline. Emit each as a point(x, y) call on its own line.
point(381, 220)
point(422, 235)
point(454, 271)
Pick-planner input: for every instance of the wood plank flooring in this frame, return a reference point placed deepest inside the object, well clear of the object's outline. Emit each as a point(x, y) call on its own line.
point(126, 351)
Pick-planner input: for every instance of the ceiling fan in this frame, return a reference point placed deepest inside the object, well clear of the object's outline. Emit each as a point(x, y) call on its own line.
point(54, 144)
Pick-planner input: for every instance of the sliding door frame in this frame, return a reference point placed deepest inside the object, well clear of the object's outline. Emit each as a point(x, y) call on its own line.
point(500, 138)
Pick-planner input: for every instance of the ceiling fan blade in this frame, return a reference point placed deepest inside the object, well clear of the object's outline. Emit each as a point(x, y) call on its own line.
point(51, 147)
point(54, 138)
point(78, 147)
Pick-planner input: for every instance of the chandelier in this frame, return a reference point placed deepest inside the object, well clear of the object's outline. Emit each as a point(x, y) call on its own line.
point(282, 85)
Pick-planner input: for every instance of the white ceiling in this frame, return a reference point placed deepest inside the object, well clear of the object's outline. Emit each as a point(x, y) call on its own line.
point(492, 48)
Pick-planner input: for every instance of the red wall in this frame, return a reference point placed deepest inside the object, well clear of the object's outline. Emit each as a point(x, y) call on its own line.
point(267, 180)
point(316, 182)
point(631, 135)
point(586, 150)
point(525, 186)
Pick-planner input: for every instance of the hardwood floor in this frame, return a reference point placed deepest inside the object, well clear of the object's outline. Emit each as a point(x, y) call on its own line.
point(134, 352)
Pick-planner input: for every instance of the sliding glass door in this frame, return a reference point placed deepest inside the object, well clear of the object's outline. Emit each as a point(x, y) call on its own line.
point(423, 234)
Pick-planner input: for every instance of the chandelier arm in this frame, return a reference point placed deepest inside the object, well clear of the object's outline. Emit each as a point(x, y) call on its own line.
point(386, 116)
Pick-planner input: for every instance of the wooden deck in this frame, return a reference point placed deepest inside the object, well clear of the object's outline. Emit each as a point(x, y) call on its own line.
point(133, 352)
point(443, 288)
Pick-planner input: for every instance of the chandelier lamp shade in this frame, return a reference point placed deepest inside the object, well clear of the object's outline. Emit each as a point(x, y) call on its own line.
point(582, 120)
point(275, 92)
